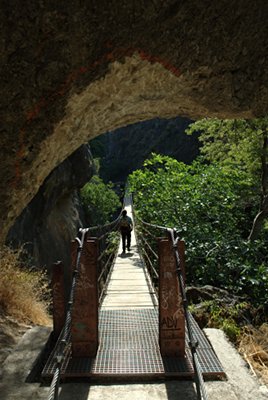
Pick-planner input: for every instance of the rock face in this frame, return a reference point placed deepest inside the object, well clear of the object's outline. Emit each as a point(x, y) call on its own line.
point(73, 70)
point(125, 149)
point(53, 217)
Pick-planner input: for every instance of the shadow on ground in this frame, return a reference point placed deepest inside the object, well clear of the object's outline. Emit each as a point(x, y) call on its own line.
point(170, 390)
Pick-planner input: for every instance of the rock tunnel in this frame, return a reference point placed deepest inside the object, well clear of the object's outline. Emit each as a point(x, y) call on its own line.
point(73, 70)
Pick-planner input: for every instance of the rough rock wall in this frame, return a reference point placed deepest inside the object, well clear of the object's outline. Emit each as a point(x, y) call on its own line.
point(72, 70)
point(53, 217)
point(125, 149)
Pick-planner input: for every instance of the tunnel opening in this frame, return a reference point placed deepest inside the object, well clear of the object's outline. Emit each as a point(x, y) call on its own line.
point(135, 89)
point(55, 214)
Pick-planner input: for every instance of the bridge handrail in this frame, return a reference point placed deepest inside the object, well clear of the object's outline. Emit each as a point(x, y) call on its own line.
point(111, 224)
point(163, 228)
point(193, 344)
point(65, 334)
point(142, 243)
point(64, 338)
point(145, 225)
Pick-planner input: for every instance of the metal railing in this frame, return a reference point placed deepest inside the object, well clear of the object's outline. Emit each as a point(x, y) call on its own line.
point(108, 243)
point(147, 238)
point(193, 343)
point(65, 335)
point(107, 250)
point(147, 246)
point(147, 235)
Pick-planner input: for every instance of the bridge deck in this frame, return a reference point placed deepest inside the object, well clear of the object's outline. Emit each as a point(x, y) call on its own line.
point(129, 286)
point(128, 333)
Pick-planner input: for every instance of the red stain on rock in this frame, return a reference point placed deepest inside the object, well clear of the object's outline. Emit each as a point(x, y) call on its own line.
point(154, 59)
point(111, 56)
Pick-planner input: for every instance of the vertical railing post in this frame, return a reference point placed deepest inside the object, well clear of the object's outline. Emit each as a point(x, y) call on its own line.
point(58, 298)
point(171, 312)
point(84, 326)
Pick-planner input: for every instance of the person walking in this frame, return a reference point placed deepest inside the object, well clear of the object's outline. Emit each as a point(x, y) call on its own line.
point(125, 226)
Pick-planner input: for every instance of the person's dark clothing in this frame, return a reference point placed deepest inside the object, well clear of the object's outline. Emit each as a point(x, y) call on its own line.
point(126, 239)
point(125, 229)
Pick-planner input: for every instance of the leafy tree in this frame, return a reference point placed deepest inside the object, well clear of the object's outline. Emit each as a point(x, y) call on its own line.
point(206, 204)
point(240, 144)
point(172, 192)
point(99, 200)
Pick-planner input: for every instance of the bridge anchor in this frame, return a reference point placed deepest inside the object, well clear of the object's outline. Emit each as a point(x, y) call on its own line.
point(84, 325)
point(171, 311)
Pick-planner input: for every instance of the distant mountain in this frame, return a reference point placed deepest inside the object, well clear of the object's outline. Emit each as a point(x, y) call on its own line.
point(124, 150)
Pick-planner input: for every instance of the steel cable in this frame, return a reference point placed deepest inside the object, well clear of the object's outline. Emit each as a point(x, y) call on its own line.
point(147, 231)
point(199, 382)
point(198, 377)
point(146, 257)
point(149, 247)
point(53, 390)
point(162, 228)
point(54, 387)
point(65, 335)
point(151, 264)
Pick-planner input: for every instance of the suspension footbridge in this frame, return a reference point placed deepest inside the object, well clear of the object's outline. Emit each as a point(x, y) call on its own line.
point(126, 316)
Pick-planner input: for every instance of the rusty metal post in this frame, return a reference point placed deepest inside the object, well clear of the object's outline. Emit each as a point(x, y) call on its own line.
point(171, 312)
point(84, 328)
point(58, 298)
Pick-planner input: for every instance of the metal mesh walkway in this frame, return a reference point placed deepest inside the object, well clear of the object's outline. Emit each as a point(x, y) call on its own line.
point(129, 349)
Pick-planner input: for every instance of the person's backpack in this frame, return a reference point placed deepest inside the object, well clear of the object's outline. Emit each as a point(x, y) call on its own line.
point(124, 223)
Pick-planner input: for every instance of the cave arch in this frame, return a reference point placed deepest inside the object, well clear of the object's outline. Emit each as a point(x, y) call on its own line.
point(133, 90)
point(71, 73)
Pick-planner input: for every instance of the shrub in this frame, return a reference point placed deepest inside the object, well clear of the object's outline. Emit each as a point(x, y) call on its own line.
point(22, 291)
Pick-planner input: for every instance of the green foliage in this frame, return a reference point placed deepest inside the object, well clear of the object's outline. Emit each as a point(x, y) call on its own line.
point(230, 328)
point(208, 205)
point(99, 201)
point(96, 166)
point(197, 199)
point(240, 144)
point(113, 242)
point(233, 143)
point(226, 317)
